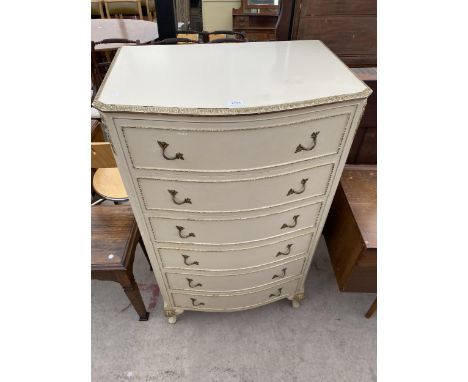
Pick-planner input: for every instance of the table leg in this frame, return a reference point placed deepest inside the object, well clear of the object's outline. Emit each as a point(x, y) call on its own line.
point(145, 253)
point(372, 309)
point(132, 291)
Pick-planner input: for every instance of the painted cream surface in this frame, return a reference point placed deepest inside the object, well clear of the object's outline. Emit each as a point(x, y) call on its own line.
point(226, 78)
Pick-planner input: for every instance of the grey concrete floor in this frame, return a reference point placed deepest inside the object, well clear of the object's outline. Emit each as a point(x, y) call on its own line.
point(326, 339)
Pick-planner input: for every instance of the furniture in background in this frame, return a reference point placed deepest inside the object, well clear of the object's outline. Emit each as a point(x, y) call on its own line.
point(364, 148)
point(217, 14)
point(114, 237)
point(347, 27)
point(284, 23)
point(225, 36)
point(351, 231)
point(106, 182)
point(105, 29)
point(121, 8)
point(150, 10)
point(107, 35)
point(97, 9)
point(182, 11)
point(96, 131)
point(101, 60)
point(256, 22)
point(173, 41)
point(224, 231)
point(198, 36)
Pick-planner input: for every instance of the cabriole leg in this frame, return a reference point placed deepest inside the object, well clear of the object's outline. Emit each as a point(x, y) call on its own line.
point(171, 314)
point(298, 297)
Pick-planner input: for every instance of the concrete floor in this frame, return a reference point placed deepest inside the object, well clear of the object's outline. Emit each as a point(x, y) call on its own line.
point(326, 339)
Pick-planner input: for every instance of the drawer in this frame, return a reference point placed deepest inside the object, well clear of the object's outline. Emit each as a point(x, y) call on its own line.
point(219, 145)
point(234, 259)
point(241, 22)
point(234, 282)
point(236, 230)
point(234, 302)
point(234, 195)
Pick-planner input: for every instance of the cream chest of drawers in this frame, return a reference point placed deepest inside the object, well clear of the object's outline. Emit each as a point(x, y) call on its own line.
point(230, 154)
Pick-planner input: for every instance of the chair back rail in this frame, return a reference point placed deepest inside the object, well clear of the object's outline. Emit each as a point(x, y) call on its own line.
point(121, 8)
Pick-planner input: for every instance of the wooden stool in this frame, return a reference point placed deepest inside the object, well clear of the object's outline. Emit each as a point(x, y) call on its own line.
point(114, 237)
point(351, 231)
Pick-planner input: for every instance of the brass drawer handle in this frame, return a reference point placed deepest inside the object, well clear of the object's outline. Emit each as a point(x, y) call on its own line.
point(190, 281)
point(180, 229)
point(164, 146)
point(276, 295)
point(189, 264)
point(281, 275)
point(194, 300)
point(292, 225)
point(292, 191)
point(174, 193)
point(314, 143)
point(285, 253)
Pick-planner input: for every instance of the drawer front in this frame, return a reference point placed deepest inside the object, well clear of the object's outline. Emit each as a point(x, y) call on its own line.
point(241, 22)
point(233, 231)
point(234, 259)
point(234, 282)
point(220, 146)
point(235, 302)
point(234, 195)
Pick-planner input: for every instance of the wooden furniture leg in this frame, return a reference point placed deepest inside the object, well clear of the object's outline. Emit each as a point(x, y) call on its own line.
point(372, 309)
point(132, 291)
point(144, 252)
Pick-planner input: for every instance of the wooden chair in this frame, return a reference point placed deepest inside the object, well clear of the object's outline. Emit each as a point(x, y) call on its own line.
point(97, 9)
point(225, 36)
point(196, 36)
point(172, 41)
point(221, 40)
point(101, 60)
point(114, 237)
point(123, 8)
point(107, 182)
point(150, 10)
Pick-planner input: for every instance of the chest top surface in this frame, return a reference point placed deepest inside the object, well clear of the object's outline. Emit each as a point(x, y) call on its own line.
point(226, 79)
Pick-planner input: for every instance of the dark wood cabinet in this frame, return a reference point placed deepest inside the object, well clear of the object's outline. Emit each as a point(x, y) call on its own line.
point(258, 24)
point(347, 27)
point(364, 148)
point(351, 230)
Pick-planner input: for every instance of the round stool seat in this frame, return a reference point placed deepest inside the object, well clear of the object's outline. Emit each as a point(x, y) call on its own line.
point(108, 183)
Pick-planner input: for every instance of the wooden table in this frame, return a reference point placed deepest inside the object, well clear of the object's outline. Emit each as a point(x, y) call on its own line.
point(142, 30)
point(114, 237)
point(351, 231)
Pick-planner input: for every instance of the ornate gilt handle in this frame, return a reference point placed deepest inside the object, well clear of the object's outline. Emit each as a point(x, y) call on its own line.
point(292, 191)
point(190, 281)
point(281, 275)
point(180, 229)
point(164, 146)
point(194, 300)
point(276, 295)
point(314, 143)
point(189, 264)
point(285, 253)
point(174, 193)
point(292, 225)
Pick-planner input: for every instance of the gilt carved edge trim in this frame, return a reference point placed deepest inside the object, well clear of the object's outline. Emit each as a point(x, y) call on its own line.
point(228, 111)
